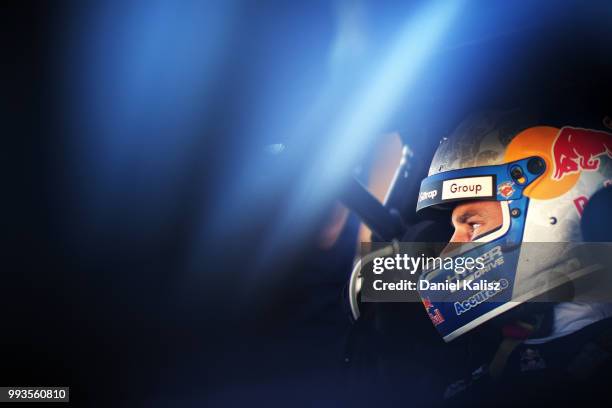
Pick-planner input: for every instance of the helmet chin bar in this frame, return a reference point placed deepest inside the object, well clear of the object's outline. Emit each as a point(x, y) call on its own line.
point(356, 279)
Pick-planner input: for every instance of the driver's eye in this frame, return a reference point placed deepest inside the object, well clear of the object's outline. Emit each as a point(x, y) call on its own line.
point(474, 226)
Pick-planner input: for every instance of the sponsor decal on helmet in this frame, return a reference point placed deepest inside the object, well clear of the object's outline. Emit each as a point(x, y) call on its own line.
point(434, 313)
point(491, 260)
point(428, 195)
point(580, 202)
point(577, 149)
point(505, 189)
point(468, 187)
point(480, 297)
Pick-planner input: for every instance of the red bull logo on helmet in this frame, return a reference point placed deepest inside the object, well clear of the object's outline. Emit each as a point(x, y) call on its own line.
point(567, 151)
point(577, 149)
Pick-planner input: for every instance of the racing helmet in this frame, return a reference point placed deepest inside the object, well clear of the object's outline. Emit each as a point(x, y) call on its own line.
point(542, 176)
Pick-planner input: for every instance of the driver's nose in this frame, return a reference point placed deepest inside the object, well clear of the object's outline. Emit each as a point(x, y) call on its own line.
point(460, 235)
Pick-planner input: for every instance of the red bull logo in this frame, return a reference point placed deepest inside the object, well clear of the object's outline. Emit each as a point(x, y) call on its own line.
point(567, 152)
point(577, 149)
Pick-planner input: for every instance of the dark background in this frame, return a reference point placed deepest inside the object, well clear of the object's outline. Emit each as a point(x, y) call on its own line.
point(158, 253)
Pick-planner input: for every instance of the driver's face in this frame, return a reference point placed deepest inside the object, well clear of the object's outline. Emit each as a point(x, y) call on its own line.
point(473, 219)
